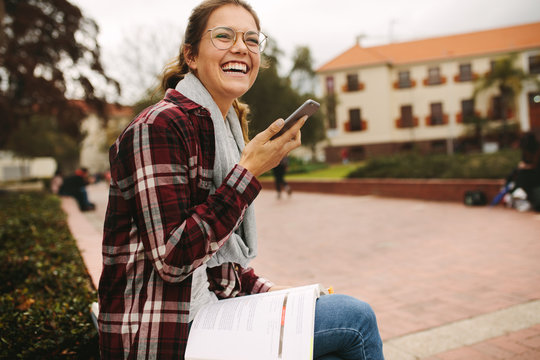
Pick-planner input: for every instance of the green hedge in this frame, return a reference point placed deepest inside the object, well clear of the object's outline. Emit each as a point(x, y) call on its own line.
point(45, 291)
point(459, 166)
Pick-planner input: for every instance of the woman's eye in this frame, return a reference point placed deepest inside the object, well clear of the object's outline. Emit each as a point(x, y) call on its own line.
point(223, 36)
point(252, 39)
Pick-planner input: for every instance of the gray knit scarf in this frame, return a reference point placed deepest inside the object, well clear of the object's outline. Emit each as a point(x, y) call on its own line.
point(241, 247)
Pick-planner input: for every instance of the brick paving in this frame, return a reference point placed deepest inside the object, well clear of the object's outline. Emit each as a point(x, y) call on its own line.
point(421, 265)
point(523, 344)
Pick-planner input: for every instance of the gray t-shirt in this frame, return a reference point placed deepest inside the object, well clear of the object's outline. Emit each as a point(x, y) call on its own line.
point(200, 295)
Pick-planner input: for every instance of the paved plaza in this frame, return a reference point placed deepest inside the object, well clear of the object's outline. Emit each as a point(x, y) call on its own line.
point(445, 280)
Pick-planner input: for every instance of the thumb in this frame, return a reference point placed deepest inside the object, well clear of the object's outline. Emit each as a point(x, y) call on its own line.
point(274, 128)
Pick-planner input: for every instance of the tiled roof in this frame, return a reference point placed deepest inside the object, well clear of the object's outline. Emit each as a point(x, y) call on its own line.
point(507, 39)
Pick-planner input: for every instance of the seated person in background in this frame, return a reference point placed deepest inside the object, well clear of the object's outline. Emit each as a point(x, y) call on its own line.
point(75, 186)
point(527, 174)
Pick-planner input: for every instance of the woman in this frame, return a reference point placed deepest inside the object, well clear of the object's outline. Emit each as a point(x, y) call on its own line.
point(179, 231)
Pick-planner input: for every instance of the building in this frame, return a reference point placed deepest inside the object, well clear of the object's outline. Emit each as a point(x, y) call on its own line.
point(95, 146)
point(392, 97)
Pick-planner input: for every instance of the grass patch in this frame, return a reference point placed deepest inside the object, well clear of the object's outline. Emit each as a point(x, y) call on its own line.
point(45, 291)
point(329, 172)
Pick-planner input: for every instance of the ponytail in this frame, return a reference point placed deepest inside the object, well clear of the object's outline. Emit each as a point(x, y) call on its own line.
point(174, 71)
point(242, 111)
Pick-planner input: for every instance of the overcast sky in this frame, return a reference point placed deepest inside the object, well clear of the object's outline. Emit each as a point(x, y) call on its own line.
point(327, 27)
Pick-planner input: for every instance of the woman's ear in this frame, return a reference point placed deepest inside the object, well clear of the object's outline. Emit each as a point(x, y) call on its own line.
point(190, 58)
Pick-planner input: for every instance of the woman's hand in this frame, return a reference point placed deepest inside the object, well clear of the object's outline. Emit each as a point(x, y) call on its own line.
point(262, 154)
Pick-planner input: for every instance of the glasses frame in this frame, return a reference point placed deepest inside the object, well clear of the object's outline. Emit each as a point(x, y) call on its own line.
point(261, 45)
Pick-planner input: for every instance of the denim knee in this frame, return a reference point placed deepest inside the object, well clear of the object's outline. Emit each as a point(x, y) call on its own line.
point(346, 327)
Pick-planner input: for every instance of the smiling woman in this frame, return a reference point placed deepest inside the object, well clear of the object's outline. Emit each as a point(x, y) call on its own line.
point(180, 230)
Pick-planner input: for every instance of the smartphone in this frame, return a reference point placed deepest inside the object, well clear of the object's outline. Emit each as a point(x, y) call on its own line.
point(308, 108)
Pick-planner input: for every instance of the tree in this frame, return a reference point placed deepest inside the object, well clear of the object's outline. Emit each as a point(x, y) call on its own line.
point(271, 96)
point(140, 59)
point(48, 54)
point(508, 79)
point(302, 74)
point(305, 78)
point(40, 136)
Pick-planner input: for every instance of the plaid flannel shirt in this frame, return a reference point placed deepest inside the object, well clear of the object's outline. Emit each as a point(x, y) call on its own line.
point(161, 224)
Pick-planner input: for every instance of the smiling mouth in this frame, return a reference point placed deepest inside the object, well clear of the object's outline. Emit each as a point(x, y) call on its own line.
point(235, 67)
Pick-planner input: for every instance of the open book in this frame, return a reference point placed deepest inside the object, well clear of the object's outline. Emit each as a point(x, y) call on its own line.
point(267, 326)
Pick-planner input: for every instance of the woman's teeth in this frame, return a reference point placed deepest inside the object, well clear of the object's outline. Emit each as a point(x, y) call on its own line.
point(235, 67)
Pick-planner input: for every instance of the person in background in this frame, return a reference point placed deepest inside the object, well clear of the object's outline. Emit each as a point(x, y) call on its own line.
point(344, 156)
point(56, 182)
point(279, 177)
point(526, 176)
point(75, 186)
point(180, 230)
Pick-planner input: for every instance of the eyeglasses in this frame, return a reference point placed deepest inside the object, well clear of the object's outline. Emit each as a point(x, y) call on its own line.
point(223, 38)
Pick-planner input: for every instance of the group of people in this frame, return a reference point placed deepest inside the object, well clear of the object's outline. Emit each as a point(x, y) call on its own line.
point(180, 230)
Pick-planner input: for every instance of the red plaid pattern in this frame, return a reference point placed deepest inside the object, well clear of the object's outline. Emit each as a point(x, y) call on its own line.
point(161, 224)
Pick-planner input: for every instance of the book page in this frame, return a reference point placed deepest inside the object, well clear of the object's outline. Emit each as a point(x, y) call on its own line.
point(299, 324)
point(269, 326)
point(237, 328)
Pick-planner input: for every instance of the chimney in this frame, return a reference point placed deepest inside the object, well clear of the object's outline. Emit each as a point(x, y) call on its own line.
point(359, 39)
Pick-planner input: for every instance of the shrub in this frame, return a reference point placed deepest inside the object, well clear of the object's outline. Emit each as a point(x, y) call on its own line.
point(45, 291)
point(458, 166)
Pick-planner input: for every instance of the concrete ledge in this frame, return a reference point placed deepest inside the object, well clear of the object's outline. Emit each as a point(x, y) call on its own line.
point(422, 189)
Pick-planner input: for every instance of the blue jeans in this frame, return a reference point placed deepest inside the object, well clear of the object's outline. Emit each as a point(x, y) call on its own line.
point(345, 328)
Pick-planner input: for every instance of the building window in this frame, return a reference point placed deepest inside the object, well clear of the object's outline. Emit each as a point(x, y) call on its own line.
point(352, 82)
point(467, 108)
point(404, 79)
point(434, 76)
point(438, 146)
point(407, 146)
point(407, 119)
point(355, 120)
point(357, 153)
point(496, 108)
point(436, 117)
point(329, 84)
point(465, 72)
point(331, 110)
point(492, 64)
point(534, 64)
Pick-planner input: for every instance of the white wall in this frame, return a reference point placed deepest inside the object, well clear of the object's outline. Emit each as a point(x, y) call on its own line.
point(13, 168)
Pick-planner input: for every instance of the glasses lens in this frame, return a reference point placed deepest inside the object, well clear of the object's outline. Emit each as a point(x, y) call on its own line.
point(253, 40)
point(222, 37)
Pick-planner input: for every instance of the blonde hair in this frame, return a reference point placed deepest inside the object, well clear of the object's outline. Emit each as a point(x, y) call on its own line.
point(178, 68)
